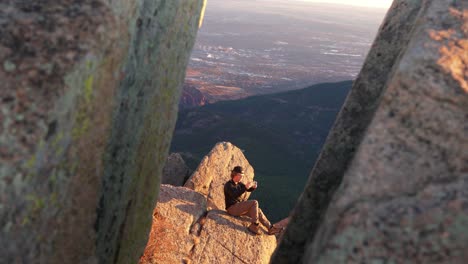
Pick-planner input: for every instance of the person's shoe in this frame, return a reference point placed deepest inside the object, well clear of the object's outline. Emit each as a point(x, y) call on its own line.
point(266, 224)
point(274, 230)
point(254, 228)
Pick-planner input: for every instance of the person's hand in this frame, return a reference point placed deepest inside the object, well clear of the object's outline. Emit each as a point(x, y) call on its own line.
point(254, 184)
point(251, 185)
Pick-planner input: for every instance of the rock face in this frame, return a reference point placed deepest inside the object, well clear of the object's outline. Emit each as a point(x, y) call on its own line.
point(191, 97)
point(171, 239)
point(402, 155)
point(89, 100)
point(184, 232)
point(225, 239)
point(215, 170)
point(175, 171)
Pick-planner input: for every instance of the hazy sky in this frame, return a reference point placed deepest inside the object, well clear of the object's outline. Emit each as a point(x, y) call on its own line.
point(369, 3)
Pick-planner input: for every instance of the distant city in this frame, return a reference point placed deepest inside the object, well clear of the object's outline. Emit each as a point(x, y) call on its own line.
point(257, 47)
point(261, 47)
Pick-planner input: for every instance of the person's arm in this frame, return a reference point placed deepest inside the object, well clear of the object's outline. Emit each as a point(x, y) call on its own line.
point(234, 192)
point(252, 186)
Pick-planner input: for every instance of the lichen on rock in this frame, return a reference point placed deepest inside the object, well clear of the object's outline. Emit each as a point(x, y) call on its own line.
point(72, 73)
point(403, 196)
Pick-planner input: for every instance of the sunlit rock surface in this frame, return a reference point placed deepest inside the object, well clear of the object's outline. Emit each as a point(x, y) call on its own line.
point(190, 224)
point(225, 239)
point(215, 170)
point(404, 165)
point(185, 232)
point(172, 238)
point(89, 94)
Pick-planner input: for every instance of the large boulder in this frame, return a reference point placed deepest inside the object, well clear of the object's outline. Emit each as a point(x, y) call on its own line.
point(185, 232)
point(215, 170)
point(171, 239)
point(225, 239)
point(175, 171)
point(89, 94)
point(348, 130)
point(403, 197)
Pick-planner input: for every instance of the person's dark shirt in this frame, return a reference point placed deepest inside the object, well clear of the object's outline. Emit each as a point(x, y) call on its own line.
point(233, 192)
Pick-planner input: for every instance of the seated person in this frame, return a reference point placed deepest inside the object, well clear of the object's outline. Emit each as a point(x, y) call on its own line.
point(236, 205)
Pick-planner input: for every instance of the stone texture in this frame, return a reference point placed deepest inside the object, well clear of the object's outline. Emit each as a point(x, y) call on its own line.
point(404, 195)
point(89, 99)
point(348, 130)
point(225, 239)
point(171, 240)
point(175, 171)
point(184, 232)
point(215, 170)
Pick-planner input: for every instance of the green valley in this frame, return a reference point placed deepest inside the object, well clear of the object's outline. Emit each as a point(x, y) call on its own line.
point(281, 136)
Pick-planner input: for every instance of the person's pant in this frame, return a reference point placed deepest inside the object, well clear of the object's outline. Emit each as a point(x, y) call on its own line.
point(250, 208)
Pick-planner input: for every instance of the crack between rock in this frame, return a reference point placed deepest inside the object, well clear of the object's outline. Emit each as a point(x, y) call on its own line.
point(203, 249)
point(196, 234)
point(208, 195)
point(230, 251)
point(200, 221)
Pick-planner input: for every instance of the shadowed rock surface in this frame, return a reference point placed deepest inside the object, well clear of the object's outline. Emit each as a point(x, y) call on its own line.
point(185, 232)
point(215, 170)
point(191, 97)
point(175, 171)
point(349, 128)
point(89, 94)
point(404, 167)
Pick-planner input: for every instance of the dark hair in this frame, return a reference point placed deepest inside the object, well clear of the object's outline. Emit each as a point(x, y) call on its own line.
point(237, 169)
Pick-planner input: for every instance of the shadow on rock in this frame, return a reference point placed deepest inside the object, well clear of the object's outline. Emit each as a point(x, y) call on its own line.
point(239, 223)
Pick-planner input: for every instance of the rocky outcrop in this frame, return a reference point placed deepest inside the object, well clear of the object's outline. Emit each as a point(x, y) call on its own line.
point(225, 239)
point(191, 97)
point(174, 218)
point(175, 171)
point(349, 128)
point(215, 170)
point(185, 232)
point(400, 146)
point(89, 94)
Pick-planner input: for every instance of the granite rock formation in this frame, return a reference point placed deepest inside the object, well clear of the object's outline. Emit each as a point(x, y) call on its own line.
point(89, 94)
point(397, 154)
point(225, 239)
point(178, 209)
point(175, 171)
point(89, 98)
point(185, 232)
point(215, 170)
